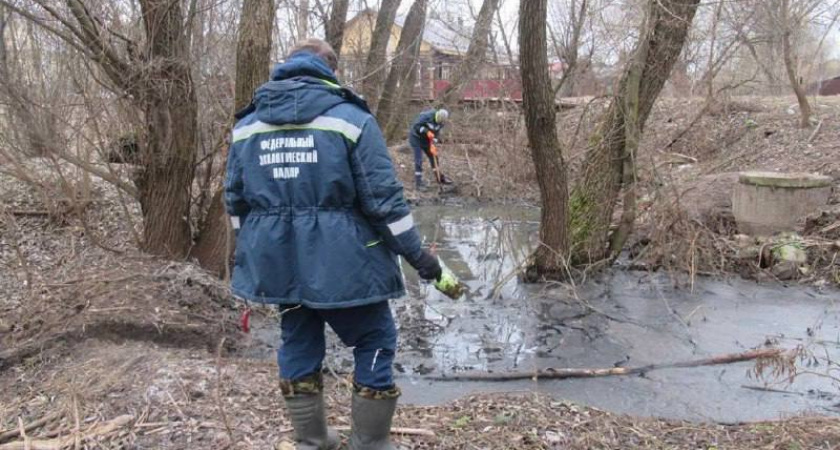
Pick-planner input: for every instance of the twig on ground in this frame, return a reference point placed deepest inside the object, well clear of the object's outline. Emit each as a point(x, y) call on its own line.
point(219, 403)
point(29, 212)
point(401, 430)
point(94, 432)
point(5, 436)
point(816, 132)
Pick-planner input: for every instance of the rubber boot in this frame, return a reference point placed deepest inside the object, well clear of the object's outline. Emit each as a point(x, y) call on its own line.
point(419, 184)
point(310, 422)
point(371, 423)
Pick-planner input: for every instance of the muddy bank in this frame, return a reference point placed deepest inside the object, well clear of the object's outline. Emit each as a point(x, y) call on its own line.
point(181, 398)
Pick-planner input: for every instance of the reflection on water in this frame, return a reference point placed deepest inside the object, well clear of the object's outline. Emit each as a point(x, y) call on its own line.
point(484, 248)
point(622, 318)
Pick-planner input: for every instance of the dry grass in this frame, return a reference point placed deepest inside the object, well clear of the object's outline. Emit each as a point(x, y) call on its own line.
point(170, 394)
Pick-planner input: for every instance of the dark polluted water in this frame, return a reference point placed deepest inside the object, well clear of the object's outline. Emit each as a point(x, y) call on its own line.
point(619, 319)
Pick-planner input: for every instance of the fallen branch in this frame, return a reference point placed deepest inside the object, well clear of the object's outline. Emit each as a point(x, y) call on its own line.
point(560, 374)
point(830, 228)
point(705, 109)
point(95, 431)
point(5, 436)
point(815, 133)
point(29, 213)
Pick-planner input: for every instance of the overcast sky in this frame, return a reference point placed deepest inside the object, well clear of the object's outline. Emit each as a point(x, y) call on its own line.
point(834, 43)
point(510, 12)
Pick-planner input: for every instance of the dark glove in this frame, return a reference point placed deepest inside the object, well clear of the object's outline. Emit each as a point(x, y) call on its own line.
point(428, 266)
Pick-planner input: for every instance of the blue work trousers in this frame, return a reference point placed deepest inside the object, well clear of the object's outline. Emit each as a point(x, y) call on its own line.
point(369, 329)
point(419, 152)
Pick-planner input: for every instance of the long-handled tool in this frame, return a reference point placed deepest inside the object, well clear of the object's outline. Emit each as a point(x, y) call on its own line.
point(434, 152)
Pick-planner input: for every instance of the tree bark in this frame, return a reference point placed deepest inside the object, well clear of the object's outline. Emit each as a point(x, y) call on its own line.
point(335, 25)
point(171, 127)
point(593, 201)
point(375, 68)
point(303, 20)
point(474, 59)
point(540, 121)
point(790, 66)
point(253, 58)
point(253, 49)
point(403, 74)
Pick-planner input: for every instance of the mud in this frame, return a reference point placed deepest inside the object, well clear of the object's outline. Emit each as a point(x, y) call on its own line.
point(622, 318)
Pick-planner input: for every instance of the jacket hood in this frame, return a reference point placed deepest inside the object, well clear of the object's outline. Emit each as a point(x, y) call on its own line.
point(301, 89)
point(303, 64)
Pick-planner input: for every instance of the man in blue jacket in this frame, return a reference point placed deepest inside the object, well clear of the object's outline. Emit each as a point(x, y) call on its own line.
point(321, 219)
point(423, 133)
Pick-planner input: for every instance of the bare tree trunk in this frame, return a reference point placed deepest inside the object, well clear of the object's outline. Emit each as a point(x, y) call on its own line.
point(569, 48)
point(505, 38)
point(765, 68)
point(632, 136)
point(375, 69)
point(401, 100)
point(25, 124)
point(253, 49)
point(253, 58)
point(710, 79)
point(168, 154)
point(403, 74)
point(540, 121)
point(593, 201)
point(335, 24)
point(474, 58)
point(790, 66)
point(303, 19)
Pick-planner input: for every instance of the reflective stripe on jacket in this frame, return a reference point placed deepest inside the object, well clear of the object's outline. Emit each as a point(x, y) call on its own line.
point(312, 188)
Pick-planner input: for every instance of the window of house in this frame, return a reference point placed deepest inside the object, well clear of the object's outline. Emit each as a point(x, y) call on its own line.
point(418, 82)
point(444, 71)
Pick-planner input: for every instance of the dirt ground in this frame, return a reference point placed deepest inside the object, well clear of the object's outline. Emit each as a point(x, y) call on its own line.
point(187, 398)
point(104, 347)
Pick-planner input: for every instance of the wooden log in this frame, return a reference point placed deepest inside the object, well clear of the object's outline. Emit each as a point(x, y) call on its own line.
point(560, 374)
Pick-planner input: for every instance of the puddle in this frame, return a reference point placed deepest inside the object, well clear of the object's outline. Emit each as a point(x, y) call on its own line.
point(621, 318)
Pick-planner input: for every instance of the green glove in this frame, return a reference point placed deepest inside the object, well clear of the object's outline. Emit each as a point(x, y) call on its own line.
point(449, 285)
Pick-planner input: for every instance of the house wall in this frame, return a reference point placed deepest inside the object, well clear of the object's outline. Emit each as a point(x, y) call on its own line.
point(434, 70)
point(356, 45)
point(830, 87)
